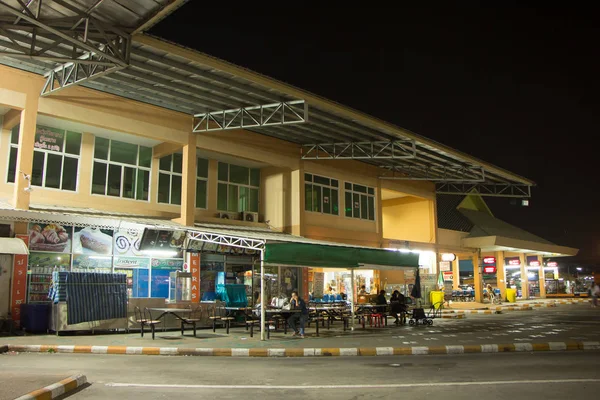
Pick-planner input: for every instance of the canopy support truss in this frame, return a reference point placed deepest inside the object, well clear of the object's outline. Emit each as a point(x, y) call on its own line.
point(226, 240)
point(436, 174)
point(99, 47)
point(396, 149)
point(283, 113)
point(485, 189)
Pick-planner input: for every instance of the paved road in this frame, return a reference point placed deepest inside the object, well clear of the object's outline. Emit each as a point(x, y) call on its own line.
point(492, 376)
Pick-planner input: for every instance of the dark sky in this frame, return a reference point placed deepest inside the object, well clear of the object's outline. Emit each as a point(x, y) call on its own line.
point(517, 87)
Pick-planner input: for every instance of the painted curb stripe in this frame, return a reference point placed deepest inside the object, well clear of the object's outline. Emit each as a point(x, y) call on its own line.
point(309, 352)
point(56, 389)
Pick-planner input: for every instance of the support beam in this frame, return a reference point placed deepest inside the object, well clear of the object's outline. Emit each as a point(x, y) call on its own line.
point(396, 149)
point(501, 274)
point(24, 167)
point(283, 113)
point(477, 278)
point(11, 119)
point(449, 173)
point(456, 273)
point(524, 278)
point(188, 180)
point(542, 277)
point(164, 149)
point(485, 189)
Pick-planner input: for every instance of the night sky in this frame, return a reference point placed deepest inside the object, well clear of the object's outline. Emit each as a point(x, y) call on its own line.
point(517, 87)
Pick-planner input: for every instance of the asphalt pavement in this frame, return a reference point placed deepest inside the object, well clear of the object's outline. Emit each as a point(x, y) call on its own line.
point(493, 376)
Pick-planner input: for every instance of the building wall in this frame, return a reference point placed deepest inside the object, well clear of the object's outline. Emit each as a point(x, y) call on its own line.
point(450, 239)
point(282, 170)
point(409, 218)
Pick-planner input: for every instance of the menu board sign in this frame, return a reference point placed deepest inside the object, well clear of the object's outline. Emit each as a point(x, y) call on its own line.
point(154, 239)
point(92, 241)
point(91, 263)
point(318, 284)
point(50, 237)
point(49, 139)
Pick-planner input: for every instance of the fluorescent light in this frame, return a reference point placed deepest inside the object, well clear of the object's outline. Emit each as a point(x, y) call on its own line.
point(100, 257)
point(162, 253)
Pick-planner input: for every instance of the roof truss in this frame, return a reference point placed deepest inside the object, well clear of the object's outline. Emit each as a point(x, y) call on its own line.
point(226, 240)
point(485, 189)
point(393, 149)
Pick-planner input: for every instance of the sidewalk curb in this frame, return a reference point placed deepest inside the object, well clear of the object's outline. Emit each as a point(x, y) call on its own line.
point(3, 349)
point(56, 389)
point(311, 352)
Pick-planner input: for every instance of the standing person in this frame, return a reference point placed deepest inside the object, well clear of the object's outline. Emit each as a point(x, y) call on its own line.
point(297, 303)
point(595, 294)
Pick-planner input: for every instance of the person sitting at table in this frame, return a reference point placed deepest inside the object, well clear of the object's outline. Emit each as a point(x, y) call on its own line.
point(363, 290)
point(381, 300)
point(398, 305)
point(298, 317)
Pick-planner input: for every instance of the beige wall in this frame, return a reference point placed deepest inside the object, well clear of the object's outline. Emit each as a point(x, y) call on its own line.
point(409, 218)
point(282, 177)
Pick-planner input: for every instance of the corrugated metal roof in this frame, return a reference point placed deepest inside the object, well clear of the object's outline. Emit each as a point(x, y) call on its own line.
point(448, 215)
point(487, 225)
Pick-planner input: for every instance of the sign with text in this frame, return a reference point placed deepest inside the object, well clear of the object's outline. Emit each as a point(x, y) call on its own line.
point(318, 284)
point(489, 260)
point(512, 261)
point(448, 257)
point(49, 139)
point(131, 262)
point(489, 270)
point(194, 265)
point(445, 266)
point(19, 282)
point(448, 276)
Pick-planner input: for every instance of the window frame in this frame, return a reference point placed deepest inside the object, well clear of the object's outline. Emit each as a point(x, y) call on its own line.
point(354, 192)
point(108, 163)
point(322, 186)
point(46, 152)
point(229, 183)
point(201, 179)
point(170, 173)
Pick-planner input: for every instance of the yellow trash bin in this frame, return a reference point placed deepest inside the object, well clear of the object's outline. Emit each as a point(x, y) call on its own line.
point(511, 295)
point(436, 298)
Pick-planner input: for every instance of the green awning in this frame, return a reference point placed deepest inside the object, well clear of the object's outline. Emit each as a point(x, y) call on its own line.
point(317, 255)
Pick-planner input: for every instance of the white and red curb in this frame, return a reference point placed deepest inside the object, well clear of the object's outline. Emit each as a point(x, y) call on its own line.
point(310, 352)
point(56, 389)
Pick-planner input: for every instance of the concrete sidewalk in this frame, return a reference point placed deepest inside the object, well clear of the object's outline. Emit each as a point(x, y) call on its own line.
point(542, 325)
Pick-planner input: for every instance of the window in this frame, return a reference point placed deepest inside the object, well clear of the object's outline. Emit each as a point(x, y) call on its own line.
point(360, 201)
point(237, 188)
point(121, 169)
point(321, 194)
point(169, 179)
point(55, 158)
point(201, 182)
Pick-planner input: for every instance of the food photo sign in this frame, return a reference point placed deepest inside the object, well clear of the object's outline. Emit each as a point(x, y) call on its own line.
point(50, 237)
point(92, 241)
point(127, 242)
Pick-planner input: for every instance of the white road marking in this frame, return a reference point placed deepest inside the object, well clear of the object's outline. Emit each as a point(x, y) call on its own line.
point(366, 386)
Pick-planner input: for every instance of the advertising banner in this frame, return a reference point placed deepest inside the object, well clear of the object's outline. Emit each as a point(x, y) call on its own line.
point(131, 262)
point(83, 263)
point(49, 139)
point(50, 237)
point(92, 241)
point(127, 242)
point(194, 265)
point(19, 283)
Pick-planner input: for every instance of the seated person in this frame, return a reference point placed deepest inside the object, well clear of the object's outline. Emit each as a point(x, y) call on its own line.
point(297, 303)
point(363, 290)
point(398, 305)
point(381, 300)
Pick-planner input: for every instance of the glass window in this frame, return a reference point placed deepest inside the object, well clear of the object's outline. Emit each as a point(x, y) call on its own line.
point(164, 187)
point(165, 163)
point(360, 201)
point(321, 195)
point(126, 175)
point(238, 188)
point(200, 193)
point(124, 153)
point(176, 189)
point(202, 167)
point(177, 163)
point(201, 182)
point(55, 158)
point(307, 177)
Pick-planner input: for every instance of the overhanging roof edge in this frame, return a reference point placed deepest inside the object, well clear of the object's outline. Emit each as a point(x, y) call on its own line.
point(313, 100)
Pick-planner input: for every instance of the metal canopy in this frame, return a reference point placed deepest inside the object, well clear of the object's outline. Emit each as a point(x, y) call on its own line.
point(220, 96)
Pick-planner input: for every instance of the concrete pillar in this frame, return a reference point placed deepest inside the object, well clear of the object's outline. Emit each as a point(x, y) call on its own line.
point(524, 281)
point(542, 275)
point(297, 194)
point(501, 273)
point(477, 279)
point(188, 182)
point(455, 273)
point(27, 127)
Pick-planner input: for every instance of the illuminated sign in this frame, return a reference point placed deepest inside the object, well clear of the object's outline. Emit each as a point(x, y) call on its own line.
point(489, 260)
point(448, 257)
point(514, 261)
point(489, 270)
point(534, 263)
point(552, 264)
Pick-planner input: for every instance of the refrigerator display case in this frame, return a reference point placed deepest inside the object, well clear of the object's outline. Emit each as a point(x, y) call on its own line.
point(180, 286)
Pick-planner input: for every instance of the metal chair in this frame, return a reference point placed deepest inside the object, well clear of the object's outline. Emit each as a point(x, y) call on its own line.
point(195, 316)
point(145, 318)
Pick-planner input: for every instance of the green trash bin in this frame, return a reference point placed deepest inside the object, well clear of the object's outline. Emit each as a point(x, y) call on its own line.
point(511, 295)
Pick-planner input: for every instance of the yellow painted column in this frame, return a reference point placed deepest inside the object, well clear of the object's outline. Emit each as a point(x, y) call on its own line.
point(86, 164)
point(297, 211)
point(455, 273)
point(542, 280)
point(524, 278)
point(188, 182)
point(25, 156)
point(501, 273)
point(477, 279)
